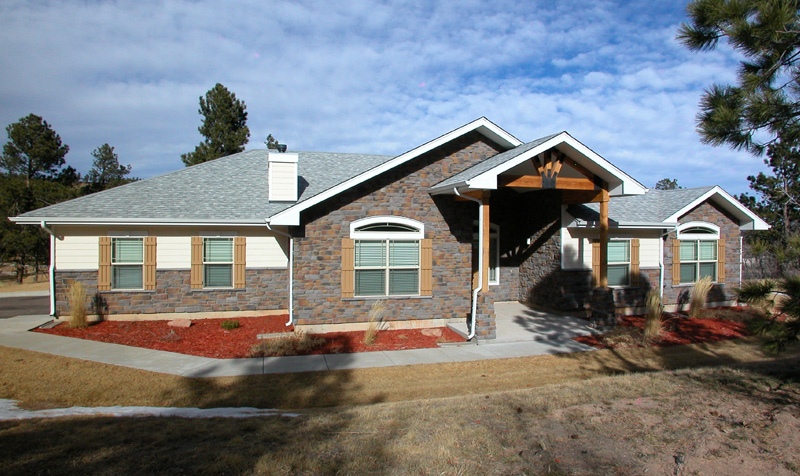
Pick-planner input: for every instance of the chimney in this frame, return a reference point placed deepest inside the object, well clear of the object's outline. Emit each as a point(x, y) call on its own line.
point(282, 176)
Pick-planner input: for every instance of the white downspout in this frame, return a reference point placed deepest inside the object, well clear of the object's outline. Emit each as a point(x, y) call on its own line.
point(291, 272)
point(51, 272)
point(480, 263)
point(741, 257)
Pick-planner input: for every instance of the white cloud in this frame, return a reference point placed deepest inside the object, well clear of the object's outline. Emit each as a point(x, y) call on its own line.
point(367, 77)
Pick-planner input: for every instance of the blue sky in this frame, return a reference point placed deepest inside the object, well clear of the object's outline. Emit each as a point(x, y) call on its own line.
point(372, 77)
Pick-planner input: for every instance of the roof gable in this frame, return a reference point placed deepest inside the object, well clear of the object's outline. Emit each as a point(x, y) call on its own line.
point(484, 175)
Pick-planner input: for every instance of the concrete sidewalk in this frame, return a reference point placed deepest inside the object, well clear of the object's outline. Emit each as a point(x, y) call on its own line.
point(14, 333)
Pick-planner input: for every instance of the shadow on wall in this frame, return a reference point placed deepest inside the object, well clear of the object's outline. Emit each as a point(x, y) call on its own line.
point(571, 291)
point(716, 294)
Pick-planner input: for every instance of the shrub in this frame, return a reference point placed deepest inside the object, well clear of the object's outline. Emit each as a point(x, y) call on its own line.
point(699, 294)
point(296, 343)
point(652, 315)
point(77, 305)
point(375, 316)
point(230, 325)
point(778, 299)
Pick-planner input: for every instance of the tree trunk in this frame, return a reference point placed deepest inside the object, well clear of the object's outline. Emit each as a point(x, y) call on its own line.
point(20, 272)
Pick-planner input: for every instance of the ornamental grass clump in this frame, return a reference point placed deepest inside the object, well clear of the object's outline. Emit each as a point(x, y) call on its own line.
point(77, 305)
point(652, 316)
point(230, 325)
point(295, 343)
point(699, 294)
point(375, 317)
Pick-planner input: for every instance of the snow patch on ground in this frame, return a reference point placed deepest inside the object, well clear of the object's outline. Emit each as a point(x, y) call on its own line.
point(9, 410)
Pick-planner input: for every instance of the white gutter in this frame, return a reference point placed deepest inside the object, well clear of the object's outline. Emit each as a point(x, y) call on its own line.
point(291, 271)
point(21, 220)
point(480, 263)
point(51, 272)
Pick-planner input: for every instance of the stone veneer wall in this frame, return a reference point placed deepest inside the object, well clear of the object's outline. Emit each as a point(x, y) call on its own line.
point(266, 289)
point(402, 192)
point(729, 231)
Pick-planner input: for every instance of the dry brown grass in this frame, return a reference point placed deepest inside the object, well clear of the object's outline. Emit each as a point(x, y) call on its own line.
point(375, 321)
point(295, 343)
point(652, 316)
point(77, 305)
point(8, 284)
point(699, 294)
point(42, 380)
point(627, 424)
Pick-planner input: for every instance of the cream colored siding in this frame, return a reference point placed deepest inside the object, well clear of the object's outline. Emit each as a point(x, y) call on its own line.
point(576, 249)
point(283, 181)
point(648, 252)
point(265, 252)
point(77, 253)
point(174, 252)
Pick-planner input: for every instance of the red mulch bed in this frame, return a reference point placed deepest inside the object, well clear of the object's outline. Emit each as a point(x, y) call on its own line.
point(207, 338)
point(679, 329)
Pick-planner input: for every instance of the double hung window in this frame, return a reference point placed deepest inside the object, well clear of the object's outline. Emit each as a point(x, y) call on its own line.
point(127, 263)
point(217, 262)
point(619, 263)
point(698, 260)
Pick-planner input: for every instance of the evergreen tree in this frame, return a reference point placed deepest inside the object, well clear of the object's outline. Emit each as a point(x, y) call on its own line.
point(106, 171)
point(763, 104)
point(33, 150)
point(667, 184)
point(271, 142)
point(224, 126)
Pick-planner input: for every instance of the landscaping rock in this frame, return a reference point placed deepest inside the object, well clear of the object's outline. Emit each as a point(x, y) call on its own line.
point(180, 323)
point(433, 332)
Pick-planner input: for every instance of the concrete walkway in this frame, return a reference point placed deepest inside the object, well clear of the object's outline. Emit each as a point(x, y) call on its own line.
point(14, 333)
point(518, 322)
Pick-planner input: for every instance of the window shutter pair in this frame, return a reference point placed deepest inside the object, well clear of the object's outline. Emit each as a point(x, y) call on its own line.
point(676, 261)
point(634, 268)
point(104, 265)
point(425, 268)
point(239, 262)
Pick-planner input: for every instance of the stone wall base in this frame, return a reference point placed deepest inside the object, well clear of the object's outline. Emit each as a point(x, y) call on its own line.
point(385, 325)
point(169, 316)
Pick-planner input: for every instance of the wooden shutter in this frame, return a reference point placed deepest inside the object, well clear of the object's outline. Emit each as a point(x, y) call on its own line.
point(239, 262)
point(348, 275)
point(149, 263)
point(196, 274)
point(721, 260)
point(104, 264)
point(676, 262)
point(635, 262)
point(595, 262)
point(426, 268)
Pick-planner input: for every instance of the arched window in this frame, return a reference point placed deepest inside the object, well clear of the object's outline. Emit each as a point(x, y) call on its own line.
point(386, 257)
point(699, 253)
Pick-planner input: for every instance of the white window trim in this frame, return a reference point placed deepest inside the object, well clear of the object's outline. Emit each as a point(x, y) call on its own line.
point(698, 261)
point(494, 232)
point(628, 283)
point(231, 263)
point(387, 235)
point(113, 264)
point(698, 236)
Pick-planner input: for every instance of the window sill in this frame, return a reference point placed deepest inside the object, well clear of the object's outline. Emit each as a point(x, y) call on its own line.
point(112, 291)
point(376, 298)
point(201, 290)
point(689, 285)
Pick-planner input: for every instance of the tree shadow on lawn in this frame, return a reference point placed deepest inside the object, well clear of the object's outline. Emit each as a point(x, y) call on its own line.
point(303, 444)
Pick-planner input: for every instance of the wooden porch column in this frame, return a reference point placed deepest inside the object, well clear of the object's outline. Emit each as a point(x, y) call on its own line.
point(603, 240)
point(486, 238)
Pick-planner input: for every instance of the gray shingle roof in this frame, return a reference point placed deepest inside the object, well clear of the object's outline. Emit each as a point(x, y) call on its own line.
point(491, 163)
point(229, 188)
point(655, 206)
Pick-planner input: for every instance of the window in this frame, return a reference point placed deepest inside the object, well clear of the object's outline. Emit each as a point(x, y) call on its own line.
point(386, 268)
point(698, 259)
point(619, 263)
point(217, 262)
point(386, 256)
point(494, 251)
point(127, 263)
point(698, 253)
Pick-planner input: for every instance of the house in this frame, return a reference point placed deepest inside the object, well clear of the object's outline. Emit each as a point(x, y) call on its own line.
point(440, 232)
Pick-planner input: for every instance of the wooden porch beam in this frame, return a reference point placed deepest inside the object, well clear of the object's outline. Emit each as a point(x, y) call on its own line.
point(604, 240)
point(574, 197)
point(532, 181)
point(486, 232)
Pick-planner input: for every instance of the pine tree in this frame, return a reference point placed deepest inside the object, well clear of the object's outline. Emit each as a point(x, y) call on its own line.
point(667, 184)
point(33, 150)
point(106, 171)
point(224, 126)
point(763, 103)
point(271, 142)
